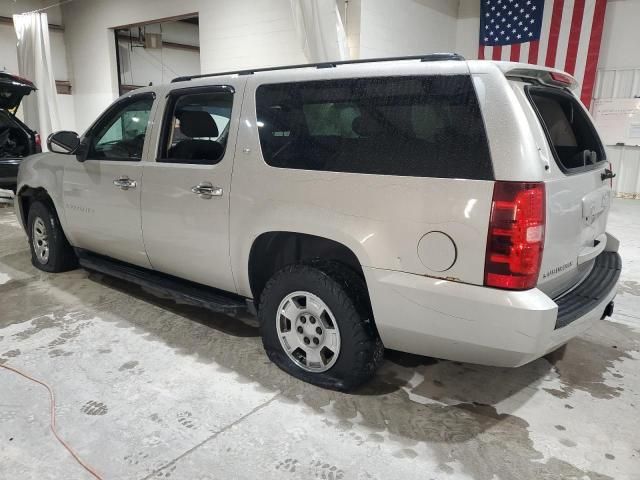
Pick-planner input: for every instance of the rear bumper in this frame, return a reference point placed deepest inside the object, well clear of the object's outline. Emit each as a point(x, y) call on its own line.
point(588, 294)
point(469, 323)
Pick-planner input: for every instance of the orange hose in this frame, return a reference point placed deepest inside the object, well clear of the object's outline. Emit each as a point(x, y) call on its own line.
point(52, 423)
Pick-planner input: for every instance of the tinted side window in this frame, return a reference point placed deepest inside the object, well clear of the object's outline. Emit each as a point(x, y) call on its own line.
point(196, 127)
point(570, 133)
point(411, 126)
point(120, 136)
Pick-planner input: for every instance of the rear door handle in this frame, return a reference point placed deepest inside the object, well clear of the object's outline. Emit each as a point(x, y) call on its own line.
point(207, 190)
point(125, 183)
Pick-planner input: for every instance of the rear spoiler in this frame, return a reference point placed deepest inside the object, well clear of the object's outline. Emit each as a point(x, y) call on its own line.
point(553, 78)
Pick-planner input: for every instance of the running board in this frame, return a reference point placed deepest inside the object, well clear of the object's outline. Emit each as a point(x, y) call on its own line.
point(163, 285)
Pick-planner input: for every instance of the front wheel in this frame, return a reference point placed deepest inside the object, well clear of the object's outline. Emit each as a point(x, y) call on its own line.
point(50, 250)
point(316, 325)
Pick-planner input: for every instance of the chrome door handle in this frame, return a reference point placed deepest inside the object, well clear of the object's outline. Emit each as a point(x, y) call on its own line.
point(207, 190)
point(125, 183)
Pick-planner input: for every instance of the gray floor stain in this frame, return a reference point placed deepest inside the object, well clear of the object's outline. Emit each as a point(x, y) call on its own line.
point(128, 365)
point(584, 362)
point(12, 353)
point(355, 438)
point(374, 437)
point(446, 468)
point(136, 458)
point(288, 465)
point(38, 324)
point(326, 471)
point(154, 417)
point(405, 453)
point(186, 420)
point(59, 353)
point(57, 342)
point(568, 443)
point(485, 433)
point(557, 393)
point(93, 407)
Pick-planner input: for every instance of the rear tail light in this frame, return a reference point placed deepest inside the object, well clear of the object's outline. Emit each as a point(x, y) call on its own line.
point(38, 143)
point(611, 179)
point(516, 235)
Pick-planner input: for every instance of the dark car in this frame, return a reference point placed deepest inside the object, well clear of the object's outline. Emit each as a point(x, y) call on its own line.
point(17, 140)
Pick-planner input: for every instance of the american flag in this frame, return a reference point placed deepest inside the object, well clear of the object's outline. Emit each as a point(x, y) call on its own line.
point(563, 34)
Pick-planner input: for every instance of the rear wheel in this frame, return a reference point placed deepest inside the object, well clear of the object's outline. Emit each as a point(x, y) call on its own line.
point(316, 325)
point(50, 250)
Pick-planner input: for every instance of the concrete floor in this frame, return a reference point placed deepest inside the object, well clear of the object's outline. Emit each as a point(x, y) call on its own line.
point(146, 388)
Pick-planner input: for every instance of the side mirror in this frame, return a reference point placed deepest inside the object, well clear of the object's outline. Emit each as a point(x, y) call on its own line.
point(63, 142)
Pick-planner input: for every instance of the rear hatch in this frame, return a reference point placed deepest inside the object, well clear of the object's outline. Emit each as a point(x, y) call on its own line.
point(578, 194)
point(12, 90)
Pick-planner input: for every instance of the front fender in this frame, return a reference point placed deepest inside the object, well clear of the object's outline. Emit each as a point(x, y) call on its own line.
point(44, 171)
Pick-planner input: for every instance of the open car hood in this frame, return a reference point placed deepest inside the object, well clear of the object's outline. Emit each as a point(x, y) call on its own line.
point(12, 89)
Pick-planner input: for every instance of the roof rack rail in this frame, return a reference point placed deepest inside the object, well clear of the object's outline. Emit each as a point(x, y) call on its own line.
point(431, 57)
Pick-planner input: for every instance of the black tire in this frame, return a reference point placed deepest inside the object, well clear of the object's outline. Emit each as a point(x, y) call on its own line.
point(61, 256)
point(344, 292)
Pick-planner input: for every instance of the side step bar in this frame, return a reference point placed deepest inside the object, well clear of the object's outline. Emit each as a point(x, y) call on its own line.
point(165, 285)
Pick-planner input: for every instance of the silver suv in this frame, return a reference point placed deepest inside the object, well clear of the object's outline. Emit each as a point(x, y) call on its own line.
point(433, 205)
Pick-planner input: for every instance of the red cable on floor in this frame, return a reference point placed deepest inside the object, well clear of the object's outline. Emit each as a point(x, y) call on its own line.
point(52, 423)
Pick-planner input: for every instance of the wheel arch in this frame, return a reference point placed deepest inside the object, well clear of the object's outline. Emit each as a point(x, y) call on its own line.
point(272, 251)
point(26, 196)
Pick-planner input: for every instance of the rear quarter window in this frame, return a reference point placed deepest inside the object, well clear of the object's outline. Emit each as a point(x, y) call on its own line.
point(427, 126)
point(571, 135)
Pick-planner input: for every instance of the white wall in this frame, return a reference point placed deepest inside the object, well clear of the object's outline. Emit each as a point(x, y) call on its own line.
point(407, 27)
point(621, 36)
point(9, 52)
point(467, 28)
point(233, 34)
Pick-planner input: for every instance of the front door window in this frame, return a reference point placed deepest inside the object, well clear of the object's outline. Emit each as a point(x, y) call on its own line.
point(121, 135)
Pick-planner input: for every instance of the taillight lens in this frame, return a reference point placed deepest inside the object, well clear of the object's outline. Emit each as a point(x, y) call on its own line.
point(516, 235)
point(38, 143)
point(561, 78)
point(611, 179)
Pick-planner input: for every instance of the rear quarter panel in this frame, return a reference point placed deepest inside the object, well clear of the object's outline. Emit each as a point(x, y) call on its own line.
point(380, 218)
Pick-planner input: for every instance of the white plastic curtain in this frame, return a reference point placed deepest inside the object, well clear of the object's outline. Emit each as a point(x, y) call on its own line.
point(320, 30)
point(34, 63)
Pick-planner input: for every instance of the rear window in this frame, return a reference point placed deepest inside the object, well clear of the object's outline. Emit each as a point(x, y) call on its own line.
point(428, 126)
point(572, 136)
